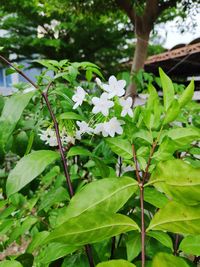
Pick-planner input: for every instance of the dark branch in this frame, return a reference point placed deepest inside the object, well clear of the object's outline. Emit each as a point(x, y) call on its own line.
point(126, 5)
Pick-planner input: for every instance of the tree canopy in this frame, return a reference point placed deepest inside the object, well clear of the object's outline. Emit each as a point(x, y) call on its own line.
point(103, 32)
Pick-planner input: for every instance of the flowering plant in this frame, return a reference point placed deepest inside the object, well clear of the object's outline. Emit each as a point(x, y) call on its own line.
point(100, 182)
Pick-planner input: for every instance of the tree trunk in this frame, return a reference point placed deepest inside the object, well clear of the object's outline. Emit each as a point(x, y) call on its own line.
point(139, 58)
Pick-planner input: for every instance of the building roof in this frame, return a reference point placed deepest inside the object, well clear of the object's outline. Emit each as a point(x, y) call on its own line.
point(183, 60)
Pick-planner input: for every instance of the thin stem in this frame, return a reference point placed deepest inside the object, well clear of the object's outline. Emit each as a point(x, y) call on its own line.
point(112, 247)
point(141, 186)
point(136, 164)
point(60, 146)
point(19, 71)
point(149, 161)
point(176, 245)
point(142, 224)
point(61, 150)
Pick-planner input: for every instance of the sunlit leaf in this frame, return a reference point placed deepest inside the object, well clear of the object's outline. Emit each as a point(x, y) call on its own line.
point(108, 194)
point(91, 227)
point(177, 218)
point(28, 168)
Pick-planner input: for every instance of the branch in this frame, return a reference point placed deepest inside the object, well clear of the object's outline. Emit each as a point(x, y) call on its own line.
point(136, 164)
point(149, 161)
point(127, 6)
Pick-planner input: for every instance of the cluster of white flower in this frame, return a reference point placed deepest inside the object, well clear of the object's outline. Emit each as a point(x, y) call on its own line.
point(102, 105)
point(49, 137)
point(53, 26)
point(108, 125)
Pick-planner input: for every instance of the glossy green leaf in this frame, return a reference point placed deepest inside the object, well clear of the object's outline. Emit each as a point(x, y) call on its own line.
point(145, 135)
point(182, 184)
point(172, 112)
point(70, 116)
point(116, 263)
point(91, 227)
point(11, 263)
point(184, 136)
point(191, 245)
point(168, 89)
point(121, 147)
point(28, 168)
point(133, 245)
point(168, 260)
point(53, 252)
point(109, 194)
point(166, 149)
point(11, 114)
point(162, 237)
point(154, 197)
point(78, 151)
point(153, 98)
point(177, 218)
point(187, 94)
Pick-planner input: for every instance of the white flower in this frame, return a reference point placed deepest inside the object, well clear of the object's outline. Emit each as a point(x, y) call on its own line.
point(114, 87)
point(113, 126)
point(67, 139)
point(109, 128)
point(98, 81)
point(78, 97)
point(102, 104)
point(83, 128)
point(100, 129)
point(49, 136)
point(41, 31)
point(126, 104)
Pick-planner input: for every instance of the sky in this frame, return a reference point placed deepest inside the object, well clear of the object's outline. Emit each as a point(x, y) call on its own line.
point(172, 35)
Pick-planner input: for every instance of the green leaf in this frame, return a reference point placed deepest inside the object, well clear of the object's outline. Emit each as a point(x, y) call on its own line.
point(116, 263)
point(145, 135)
point(187, 94)
point(75, 260)
point(88, 75)
point(36, 241)
point(109, 194)
point(190, 245)
point(182, 184)
point(184, 136)
point(11, 263)
point(28, 168)
point(177, 218)
point(172, 112)
point(54, 196)
point(168, 260)
point(154, 197)
point(77, 150)
point(91, 227)
point(133, 245)
point(53, 252)
point(162, 237)
point(11, 114)
point(166, 149)
point(153, 98)
point(120, 147)
point(70, 116)
point(24, 227)
point(168, 89)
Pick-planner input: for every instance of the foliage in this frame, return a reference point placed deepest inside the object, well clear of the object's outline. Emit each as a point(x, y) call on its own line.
point(135, 185)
